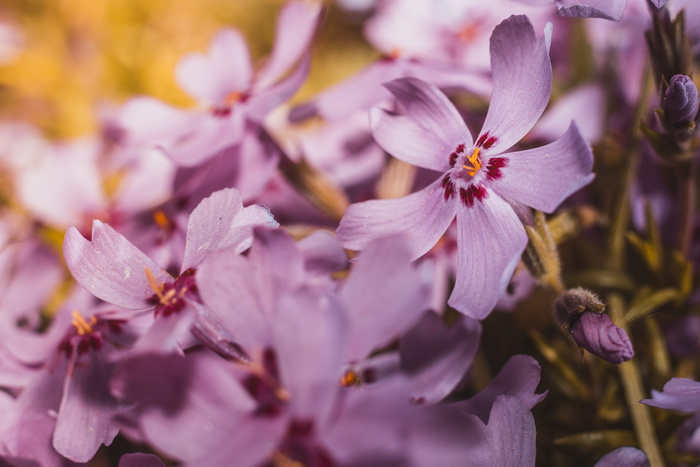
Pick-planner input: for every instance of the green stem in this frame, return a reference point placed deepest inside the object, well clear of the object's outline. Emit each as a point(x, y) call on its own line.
point(629, 371)
point(686, 175)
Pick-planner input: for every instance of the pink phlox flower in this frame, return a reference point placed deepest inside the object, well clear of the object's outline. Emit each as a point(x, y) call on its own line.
point(113, 269)
point(227, 88)
point(480, 181)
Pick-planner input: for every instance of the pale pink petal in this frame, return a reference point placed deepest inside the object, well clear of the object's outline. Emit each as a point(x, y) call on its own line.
point(585, 104)
point(519, 378)
point(278, 260)
point(87, 411)
point(296, 25)
point(422, 216)
point(322, 253)
point(679, 394)
point(431, 129)
point(491, 239)
point(359, 92)
point(208, 136)
point(511, 435)
point(266, 99)
point(436, 357)
point(309, 333)
point(220, 221)
point(229, 285)
point(543, 177)
point(626, 456)
point(110, 267)
point(147, 121)
point(384, 295)
point(227, 68)
point(607, 9)
point(522, 82)
point(189, 407)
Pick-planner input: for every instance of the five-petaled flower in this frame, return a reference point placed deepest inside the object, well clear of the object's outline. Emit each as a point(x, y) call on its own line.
point(481, 185)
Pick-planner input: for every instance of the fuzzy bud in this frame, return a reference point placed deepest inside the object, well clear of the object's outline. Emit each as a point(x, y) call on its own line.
point(572, 303)
point(681, 101)
point(596, 333)
point(581, 312)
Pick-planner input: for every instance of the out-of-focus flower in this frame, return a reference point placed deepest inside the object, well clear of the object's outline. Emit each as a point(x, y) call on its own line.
point(228, 90)
point(606, 9)
point(679, 394)
point(478, 175)
point(71, 382)
point(113, 269)
point(441, 42)
point(681, 102)
point(625, 456)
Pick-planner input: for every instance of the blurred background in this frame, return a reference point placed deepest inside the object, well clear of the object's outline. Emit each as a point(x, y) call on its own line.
point(63, 60)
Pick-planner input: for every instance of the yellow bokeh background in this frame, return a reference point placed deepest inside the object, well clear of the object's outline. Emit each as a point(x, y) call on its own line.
point(75, 56)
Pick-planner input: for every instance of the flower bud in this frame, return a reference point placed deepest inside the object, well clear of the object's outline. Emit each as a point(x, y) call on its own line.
point(681, 101)
point(582, 313)
point(596, 333)
point(572, 303)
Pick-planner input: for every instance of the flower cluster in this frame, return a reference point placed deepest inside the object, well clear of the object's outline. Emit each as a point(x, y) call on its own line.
point(357, 277)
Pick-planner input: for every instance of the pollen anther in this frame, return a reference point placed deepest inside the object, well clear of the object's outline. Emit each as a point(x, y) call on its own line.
point(81, 325)
point(475, 163)
point(158, 288)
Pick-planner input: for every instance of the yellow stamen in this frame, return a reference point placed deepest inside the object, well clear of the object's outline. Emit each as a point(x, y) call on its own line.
point(469, 32)
point(161, 219)
point(83, 327)
point(154, 284)
point(232, 97)
point(475, 163)
point(282, 394)
point(281, 460)
point(350, 378)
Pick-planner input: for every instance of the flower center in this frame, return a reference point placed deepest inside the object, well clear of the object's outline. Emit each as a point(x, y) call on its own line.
point(460, 178)
point(473, 164)
point(224, 108)
point(170, 297)
point(82, 327)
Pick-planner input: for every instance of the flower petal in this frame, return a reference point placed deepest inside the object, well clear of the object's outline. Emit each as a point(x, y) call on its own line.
point(265, 100)
point(383, 295)
point(208, 136)
point(606, 9)
point(220, 221)
point(519, 378)
point(110, 267)
point(544, 177)
point(626, 456)
point(309, 335)
point(149, 122)
point(296, 25)
point(227, 68)
point(522, 82)
point(427, 133)
point(490, 239)
point(322, 253)
point(229, 285)
point(436, 357)
point(359, 92)
point(422, 216)
point(679, 394)
point(87, 411)
point(511, 435)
